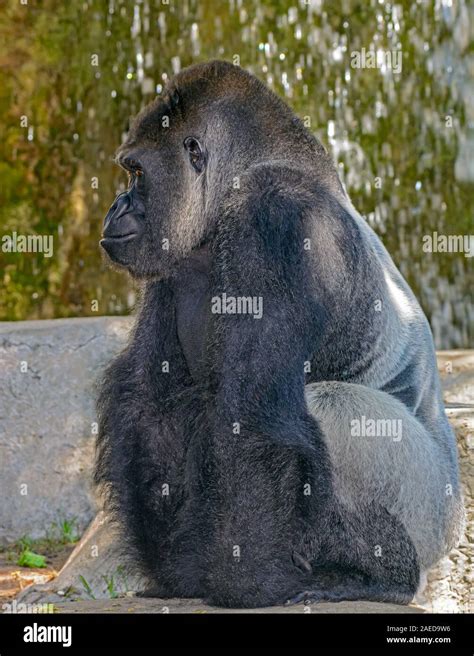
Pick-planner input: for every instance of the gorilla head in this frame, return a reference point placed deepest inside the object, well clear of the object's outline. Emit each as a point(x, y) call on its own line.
point(185, 154)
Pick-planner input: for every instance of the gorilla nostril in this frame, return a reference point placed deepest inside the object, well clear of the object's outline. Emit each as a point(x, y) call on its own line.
point(118, 210)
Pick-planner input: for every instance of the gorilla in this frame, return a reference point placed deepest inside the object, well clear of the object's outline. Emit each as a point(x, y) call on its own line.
point(274, 431)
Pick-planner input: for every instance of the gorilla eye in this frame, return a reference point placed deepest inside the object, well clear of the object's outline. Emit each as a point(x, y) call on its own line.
point(132, 174)
point(196, 156)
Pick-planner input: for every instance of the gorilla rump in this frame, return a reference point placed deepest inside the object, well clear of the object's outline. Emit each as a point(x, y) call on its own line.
point(227, 448)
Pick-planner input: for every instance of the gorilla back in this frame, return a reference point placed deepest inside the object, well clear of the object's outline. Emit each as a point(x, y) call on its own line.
point(300, 451)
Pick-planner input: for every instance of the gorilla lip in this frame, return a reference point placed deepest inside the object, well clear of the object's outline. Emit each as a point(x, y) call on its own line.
point(115, 245)
point(126, 237)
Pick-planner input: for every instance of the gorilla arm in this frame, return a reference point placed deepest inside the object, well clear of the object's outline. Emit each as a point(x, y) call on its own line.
point(257, 362)
point(278, 529)
point(265, 446)
point(144, 419)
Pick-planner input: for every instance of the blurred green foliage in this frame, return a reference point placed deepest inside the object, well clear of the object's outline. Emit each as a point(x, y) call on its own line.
point(72, 73)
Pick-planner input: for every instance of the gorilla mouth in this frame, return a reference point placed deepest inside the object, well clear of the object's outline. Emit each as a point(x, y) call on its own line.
point(119, 247)
point(126, 237)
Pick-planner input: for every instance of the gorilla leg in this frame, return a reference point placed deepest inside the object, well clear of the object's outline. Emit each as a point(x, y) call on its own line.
point(381, 454)
point(392, 508)
point(364, 555)
point(272, 543)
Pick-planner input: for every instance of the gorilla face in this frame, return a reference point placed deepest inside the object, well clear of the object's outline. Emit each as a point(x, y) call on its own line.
point(186, 152)
point(159, 218)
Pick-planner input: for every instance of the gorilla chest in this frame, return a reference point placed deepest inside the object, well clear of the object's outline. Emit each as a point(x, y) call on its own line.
point(192, 298)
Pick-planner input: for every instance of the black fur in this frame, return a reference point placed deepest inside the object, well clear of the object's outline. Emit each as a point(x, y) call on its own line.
point(237, 527)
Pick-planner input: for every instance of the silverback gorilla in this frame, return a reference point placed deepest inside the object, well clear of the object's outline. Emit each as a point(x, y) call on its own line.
point(300, 452)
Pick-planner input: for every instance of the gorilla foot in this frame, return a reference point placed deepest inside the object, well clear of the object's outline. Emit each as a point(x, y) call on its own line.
point(347, 592)
point(307, 596)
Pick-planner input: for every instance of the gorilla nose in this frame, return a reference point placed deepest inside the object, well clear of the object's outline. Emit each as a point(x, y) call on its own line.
point(119, 221)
